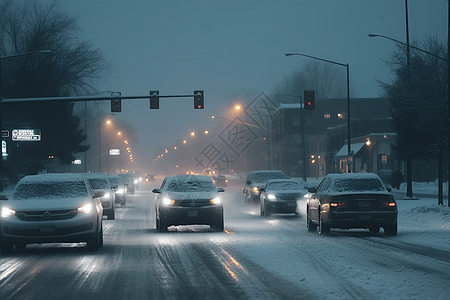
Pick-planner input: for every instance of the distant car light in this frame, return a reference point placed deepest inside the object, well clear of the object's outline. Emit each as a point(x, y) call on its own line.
point(6, 212)
point(135, 181)
point(255, 189)
point(120, 191)
point(86, 209)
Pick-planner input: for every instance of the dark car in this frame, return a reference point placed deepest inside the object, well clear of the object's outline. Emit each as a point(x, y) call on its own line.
point(188, 200)
point(352, 200)
point(130, 182)
point(220, 180)
point(119, 188)
point(256, 180)
point(281, 196)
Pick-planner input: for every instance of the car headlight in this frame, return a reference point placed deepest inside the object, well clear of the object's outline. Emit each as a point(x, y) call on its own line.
point(120, 191)
point(255, 189)
point(272, 197)
point(6, 212)
point(168, 202)
point(307, 196)
point(135, 181)
point(107, 196)
point(215, 201)
point(86, 209)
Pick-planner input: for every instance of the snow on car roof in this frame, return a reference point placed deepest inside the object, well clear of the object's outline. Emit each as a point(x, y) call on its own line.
point(52, 177)
point(356, 183)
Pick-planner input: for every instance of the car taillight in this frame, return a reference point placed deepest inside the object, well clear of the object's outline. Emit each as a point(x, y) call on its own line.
point(336, 204)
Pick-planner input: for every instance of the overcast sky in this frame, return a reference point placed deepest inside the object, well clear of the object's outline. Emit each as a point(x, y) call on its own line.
point(230, 47)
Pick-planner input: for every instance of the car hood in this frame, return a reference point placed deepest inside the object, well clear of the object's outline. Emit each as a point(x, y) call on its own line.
point(191, 195)
point(37, 204)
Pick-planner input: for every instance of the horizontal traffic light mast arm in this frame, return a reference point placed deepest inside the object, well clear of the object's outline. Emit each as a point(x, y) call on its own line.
point(88, 98)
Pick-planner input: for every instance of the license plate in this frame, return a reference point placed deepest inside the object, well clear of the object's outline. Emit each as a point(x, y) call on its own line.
point(365, 204)
point(47, 229)
point(365, 217)
point(192, 213)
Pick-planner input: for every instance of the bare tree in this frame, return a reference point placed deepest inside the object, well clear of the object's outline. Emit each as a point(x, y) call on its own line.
point(72, 68)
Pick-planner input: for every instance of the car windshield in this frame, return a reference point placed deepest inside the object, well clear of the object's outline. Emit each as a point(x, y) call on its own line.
point(357, 185)
point(116, 180)
point(284, 186)
point(262, 177)
point(99, 183)
point(191, 186)
point(50, 190)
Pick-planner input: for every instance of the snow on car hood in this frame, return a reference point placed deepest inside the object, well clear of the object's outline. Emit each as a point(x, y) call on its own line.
point(191, 195)
point(37, 204)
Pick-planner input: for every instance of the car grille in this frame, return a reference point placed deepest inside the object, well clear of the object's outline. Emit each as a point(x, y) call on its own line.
point(195, 203)
point(36, 216)
point(56, 232)
point(290, 197)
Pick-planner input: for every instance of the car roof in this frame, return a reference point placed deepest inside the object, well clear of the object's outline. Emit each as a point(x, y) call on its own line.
point(188, 177)
point(352, 176)
point(265, 171)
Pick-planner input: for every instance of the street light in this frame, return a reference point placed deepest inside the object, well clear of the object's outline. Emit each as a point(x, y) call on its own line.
point(349, 150)
point(1, 109)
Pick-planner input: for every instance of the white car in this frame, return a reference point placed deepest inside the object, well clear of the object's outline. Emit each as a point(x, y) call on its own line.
point(100, 183)
point(51, 208)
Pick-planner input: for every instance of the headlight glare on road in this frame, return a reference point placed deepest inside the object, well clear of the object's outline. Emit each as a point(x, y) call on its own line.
point(6, 212)
point(272, 197)
point(215, 201)
point(86, 209)
point(167, 201)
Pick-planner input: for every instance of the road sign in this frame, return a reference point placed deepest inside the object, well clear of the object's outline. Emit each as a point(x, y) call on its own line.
point(114, 152)
point(24, 135)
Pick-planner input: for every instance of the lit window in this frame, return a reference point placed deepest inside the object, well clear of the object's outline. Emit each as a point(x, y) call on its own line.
point(327, 116)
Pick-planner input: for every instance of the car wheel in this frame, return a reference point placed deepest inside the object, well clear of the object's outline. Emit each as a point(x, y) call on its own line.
point(6, 248)
point(219, 226)
point(100, 238)
point(391, 229)
point(93, 243)
point(310, 226)
point(162, 226)
point(374, 229)
point(323, 229)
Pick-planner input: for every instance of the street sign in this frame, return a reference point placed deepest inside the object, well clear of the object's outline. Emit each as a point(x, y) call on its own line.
point(5, 133)
point(23, 135)
point(114, 152)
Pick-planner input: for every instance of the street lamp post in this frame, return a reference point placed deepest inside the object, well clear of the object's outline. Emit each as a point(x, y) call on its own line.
point(349, 150)
point(408, 46)
point(1, 109)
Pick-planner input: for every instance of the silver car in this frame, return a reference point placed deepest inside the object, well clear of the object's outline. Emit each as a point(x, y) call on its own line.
point(51, 208)
point(100, 183)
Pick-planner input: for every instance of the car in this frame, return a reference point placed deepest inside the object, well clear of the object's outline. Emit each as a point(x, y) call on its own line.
point(220, 180)
point(100, 183)
point(130, 182)
point(256, 180)
point(119, 189)
point(281, 196)
point(188, 200)
point(51, 208)
point(352, 200)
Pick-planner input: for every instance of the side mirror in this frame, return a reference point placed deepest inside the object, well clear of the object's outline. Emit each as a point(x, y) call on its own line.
point(114, 186)
point(312, 190)
point(389, 189)
point(156, 191)
point(220, 190)
point(262, 189)
point(249, 182)
point(99, 194)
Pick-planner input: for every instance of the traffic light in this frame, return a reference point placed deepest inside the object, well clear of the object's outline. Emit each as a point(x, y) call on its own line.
point(154, 99)
point(309, 100)
point(199, 100)
point(116, 105)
